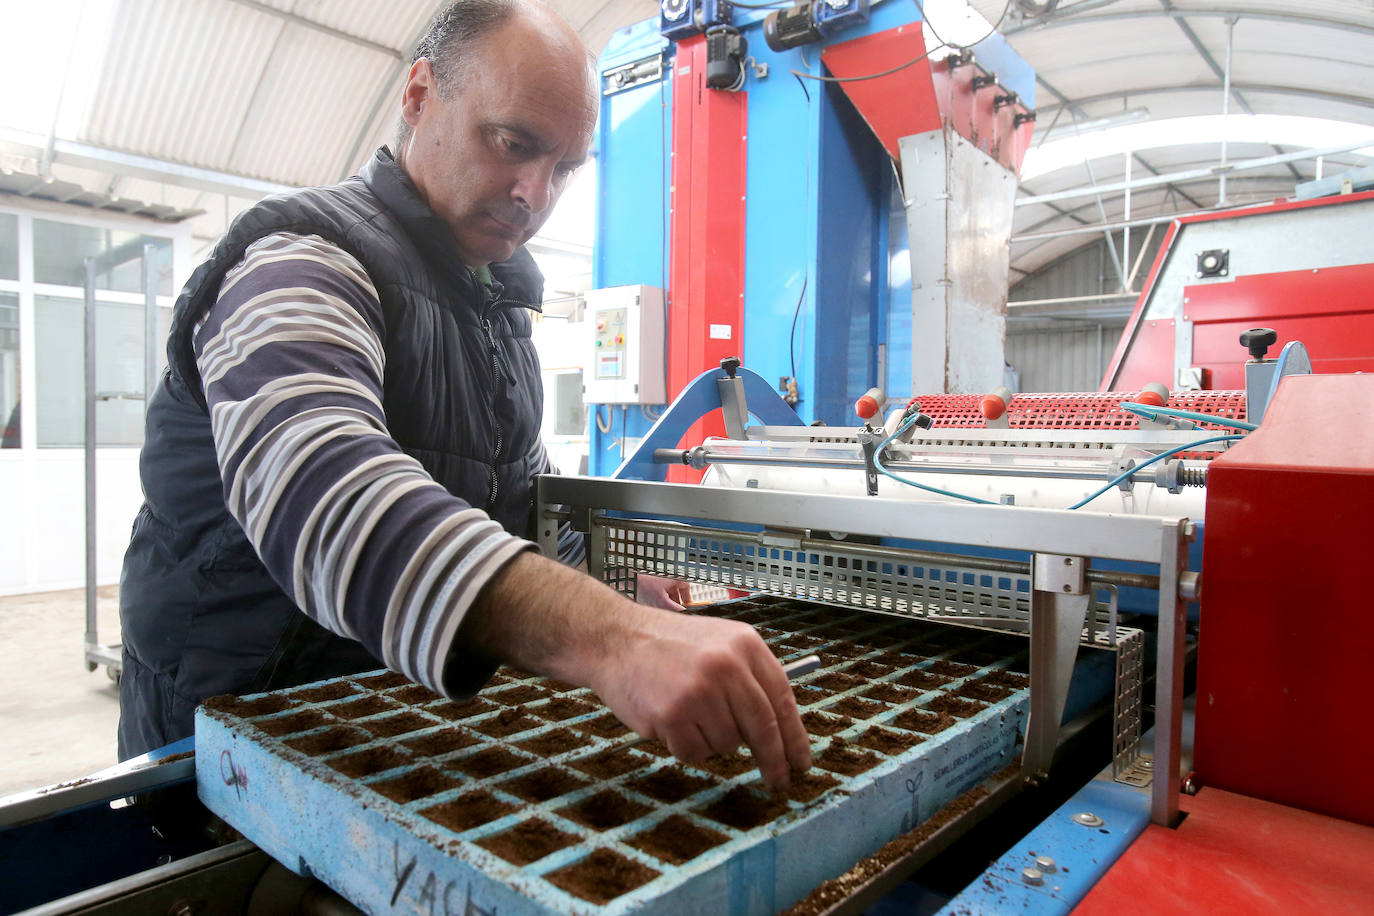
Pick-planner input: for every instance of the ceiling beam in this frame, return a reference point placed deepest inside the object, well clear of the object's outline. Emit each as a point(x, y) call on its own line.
point(1135, 93)
point(314, 26)
point(1065, 16)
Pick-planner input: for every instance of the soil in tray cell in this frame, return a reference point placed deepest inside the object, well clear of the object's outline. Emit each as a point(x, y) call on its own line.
point(869, 669)
point(542, 785)
point(367, 706)
point(455, 710)
point(953, 669)
point(1007, 679)
point(744, 809)
point(840, 652)
point(560, 708)
point(605, 810)
point(837, 682)
point(329, 740)
point(506, 723)
point(528, 841)
point(384, 681)
point(365, 763)
point(655, 747)
point(440, 742)
point(515, 696)
point(248, 709)
point(824, 726)
point(489, 762)
point(677, 840)
point(890, 694)
point(671, 784)
point(326, 692)
point(559, 686)
point(898, 659)
point(840, 757)
point(295, 722)
point(418, 783)
point(931, 723)
point(552, 743)
point(602, 876)
point(608, 764)
point(806, 695)
point(810, 785)
point(607, 726)
point(804, 642)
point(977, 690)
point(468, 811)
point(414, 695)
point(922, 680)
point(887, 741)
point(859, 709)
point(955, 706)
point(399, 724)
point(727, 765)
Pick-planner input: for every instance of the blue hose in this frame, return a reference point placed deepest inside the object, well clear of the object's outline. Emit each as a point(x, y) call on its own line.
point(1153, 413)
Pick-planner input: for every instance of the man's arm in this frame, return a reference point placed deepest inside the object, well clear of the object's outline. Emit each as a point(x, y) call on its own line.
point(700, 684)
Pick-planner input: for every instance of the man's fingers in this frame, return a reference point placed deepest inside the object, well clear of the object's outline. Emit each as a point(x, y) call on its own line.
point(778, 692)
point(687, 743)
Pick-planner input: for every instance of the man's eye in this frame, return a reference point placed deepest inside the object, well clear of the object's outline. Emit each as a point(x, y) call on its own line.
point(513, 146)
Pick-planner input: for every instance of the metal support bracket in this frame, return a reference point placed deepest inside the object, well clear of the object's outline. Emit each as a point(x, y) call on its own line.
point(733, 406)
point(868, 441)
point(1059, 607)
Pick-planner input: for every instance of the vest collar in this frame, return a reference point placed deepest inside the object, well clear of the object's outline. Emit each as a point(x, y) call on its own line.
point(518, 276)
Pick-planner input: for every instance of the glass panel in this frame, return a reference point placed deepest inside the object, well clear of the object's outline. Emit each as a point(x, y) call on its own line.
point(59, 326)
point(570, 414)
point(58, 250)
point(9, 370)
point(9, 246)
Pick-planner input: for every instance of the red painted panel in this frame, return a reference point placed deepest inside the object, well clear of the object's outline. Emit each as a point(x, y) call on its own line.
point(1283, 683)
point(1109, 380)
point(896, 105)
point(1150, 357)
point(1278, 206)
point(706, 276)
point(1234, 854)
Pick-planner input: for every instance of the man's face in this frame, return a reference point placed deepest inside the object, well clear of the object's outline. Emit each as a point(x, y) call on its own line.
point(493, 157)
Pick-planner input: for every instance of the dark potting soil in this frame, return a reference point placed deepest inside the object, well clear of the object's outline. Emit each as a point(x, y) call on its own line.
point(978, 690)
point(810, 785)
point(489, 762)
point(840, 757)
point(818, 723)
point(1007, 679)
point(837, 682)
point(557, 741)
point(898, 659)
point(859, 709)
point(655, 747)
point(528, 841)
point(671, 784)
point(887, 741)
point(922, 680)
point(414, 695)
point(953, 669)
point(608, 764)
point(329, 740)
point(869, 669)
point(727, 765)
point(514, 696)
point(247, 709)
point(605, 810)
point(325, 692)
point(399, 724)
point(418, 783)
point(602, 876)
point(890, 694)
point(468, 811)
point(384, 681)
point(806, 695)
point(744, 810)
point(367, 706)
point(560, 708)
point(955, 706)
point(466, 709)
point(607, 726)
point(507, 722)
point(542, 785)
point(677, 840)
point(295, 722)
point(372, 760)
point(440, 742)
point(929, 722)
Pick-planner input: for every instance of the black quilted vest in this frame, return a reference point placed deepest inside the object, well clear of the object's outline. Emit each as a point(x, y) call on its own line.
point(200, 613)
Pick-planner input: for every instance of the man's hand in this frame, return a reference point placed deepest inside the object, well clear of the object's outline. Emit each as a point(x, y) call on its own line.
point(700, 684)
point(656, 591)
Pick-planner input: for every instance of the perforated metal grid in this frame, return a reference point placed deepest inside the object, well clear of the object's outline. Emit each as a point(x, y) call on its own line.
point(406, 802)
point(1130, 655)
point(1075, 411)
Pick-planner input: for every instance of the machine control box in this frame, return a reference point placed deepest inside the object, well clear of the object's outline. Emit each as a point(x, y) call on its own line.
point(625, 363)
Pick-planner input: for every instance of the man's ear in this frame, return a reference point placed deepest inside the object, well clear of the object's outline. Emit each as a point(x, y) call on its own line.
point(420, 89)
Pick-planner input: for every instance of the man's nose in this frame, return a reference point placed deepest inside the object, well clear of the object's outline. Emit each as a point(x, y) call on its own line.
point(534, 187)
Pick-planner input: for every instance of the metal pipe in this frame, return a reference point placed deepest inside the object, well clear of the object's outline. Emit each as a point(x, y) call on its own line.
point(149, 327)
point(1225, 104)
point(89, 449)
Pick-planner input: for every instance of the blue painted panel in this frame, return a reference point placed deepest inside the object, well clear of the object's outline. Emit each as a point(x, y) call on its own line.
point(994, 54)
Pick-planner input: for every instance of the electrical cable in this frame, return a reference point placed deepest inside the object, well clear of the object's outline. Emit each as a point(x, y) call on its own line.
point(915, 60)
point(610, 419)
point(878, 463)
point(648, 414)
point(1154, 413)
point(792, 337)
point(1145, 464)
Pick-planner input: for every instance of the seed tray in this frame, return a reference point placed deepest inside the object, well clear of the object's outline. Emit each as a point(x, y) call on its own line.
point(533, 799)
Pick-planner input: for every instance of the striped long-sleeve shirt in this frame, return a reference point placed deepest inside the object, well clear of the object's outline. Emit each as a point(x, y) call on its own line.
point(292, 368)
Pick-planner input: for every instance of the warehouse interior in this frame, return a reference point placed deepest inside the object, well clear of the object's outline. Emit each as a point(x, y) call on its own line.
point(1000, 363)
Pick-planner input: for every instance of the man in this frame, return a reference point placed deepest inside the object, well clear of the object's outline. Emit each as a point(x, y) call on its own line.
point(338, 460)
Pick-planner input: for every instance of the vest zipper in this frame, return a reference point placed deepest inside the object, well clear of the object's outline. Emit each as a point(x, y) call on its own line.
point(494, 352)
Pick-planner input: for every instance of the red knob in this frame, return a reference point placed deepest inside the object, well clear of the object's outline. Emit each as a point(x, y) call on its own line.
point(994, 403)
point(867, 406)
point(1153, 394)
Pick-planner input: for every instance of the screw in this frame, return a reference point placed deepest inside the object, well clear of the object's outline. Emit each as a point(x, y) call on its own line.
point(1088, 819)
point(1045, 864)
point(1032, 876)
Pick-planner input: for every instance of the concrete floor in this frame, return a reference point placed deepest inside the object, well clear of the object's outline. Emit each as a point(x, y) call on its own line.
point(58, 719)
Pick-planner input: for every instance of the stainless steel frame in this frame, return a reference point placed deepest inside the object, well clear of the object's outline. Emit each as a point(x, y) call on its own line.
point(768, 540)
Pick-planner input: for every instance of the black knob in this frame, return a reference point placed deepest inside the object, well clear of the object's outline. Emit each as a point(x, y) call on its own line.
point(1258, 341)
point(731, 365)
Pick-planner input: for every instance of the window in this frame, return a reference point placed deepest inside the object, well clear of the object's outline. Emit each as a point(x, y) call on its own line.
point(59, 249)
point(61, 373)
point(569, 413)
point(9, 246)
point(9, 368)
